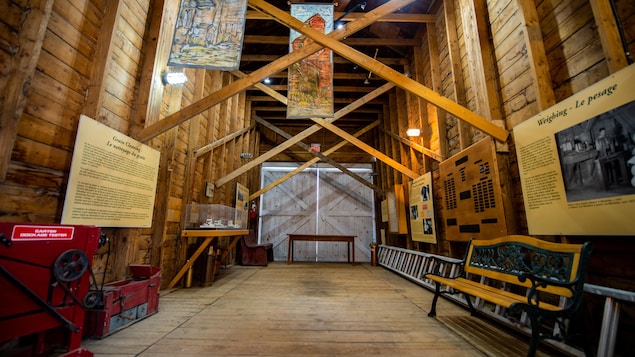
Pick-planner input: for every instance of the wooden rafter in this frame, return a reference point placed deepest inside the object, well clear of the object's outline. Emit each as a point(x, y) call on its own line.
point(276, 66)
point(362, 145)
point(412, 18)
point(303, 134)
point(609, 35)
point(284, 40)
point(319, 155)
point(227, 138)
point(383, 71)
point(308, 164)
point(420, 148)
point(285, 135)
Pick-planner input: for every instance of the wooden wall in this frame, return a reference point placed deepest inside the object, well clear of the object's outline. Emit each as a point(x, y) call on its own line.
point(104, 59)
point(60, 59)
point(531, 58)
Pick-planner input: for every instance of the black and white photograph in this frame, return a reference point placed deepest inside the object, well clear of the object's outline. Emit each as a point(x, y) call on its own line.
point(427, 226)
point(597, 156)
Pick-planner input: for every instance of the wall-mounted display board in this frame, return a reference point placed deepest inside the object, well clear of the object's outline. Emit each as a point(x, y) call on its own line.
point(577, 161)
point(384, 210)
point(113, 179)
point(472, 194)
point(242, 205)
point(396, 203)
point(422, 225)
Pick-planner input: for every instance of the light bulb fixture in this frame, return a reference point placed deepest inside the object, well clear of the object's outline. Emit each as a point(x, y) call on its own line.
point(173, 78)
point(267, 80)
point(413, 132)
point(367, 80)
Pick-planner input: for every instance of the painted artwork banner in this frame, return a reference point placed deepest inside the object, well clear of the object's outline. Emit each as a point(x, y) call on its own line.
point(310, 93)
point(112, 180)
point(422, 226)
point(577, 161)
point(209, 34)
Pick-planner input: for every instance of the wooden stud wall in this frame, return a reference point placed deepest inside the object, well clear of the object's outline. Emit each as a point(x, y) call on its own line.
point(104, 59)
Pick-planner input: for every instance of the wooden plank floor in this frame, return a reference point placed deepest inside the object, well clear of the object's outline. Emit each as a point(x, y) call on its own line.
point(309, 309)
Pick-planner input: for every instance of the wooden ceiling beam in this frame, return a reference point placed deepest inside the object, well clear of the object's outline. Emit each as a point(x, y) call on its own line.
point(284, 109)
point(304, 134)
point(235, 87)
point(338, 89)
point(402, 18)
point(420, 148)
point(263, 98)
point(227, 138)
point(319, 155)
point(609, 32)
point(309, 163)
point(336, 59)
point(353, 41)
point(384, 71)
point(362, 145)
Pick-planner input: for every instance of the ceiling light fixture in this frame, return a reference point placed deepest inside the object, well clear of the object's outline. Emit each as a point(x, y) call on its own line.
point(413, 132)
point(360, 5)
point(173, 78)
point(367, 80)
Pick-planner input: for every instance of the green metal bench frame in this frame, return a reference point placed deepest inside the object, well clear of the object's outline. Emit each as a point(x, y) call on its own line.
point(524, 275)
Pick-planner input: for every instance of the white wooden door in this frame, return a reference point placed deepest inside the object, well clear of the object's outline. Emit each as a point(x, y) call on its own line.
point(319, 200)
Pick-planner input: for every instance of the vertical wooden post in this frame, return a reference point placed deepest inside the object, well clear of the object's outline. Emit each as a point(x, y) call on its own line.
point(20, 71)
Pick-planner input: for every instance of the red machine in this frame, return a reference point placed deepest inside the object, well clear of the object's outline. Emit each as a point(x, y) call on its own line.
point(123, 302)
point(44, 278)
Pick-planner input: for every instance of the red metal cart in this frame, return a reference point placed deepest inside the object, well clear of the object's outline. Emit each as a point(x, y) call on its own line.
point(44, 277)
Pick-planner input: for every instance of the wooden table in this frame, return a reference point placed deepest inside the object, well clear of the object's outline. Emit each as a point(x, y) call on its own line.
point(322, 238)
point(209, 235)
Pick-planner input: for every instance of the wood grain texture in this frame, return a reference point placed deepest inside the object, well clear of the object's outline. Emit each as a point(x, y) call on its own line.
point(309, 309)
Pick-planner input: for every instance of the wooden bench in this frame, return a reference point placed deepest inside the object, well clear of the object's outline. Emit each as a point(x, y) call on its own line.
point(527, 276)
point(254, 253)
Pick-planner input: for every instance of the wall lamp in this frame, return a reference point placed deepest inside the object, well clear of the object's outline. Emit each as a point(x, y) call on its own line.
point(173, 78)
point(413, 132)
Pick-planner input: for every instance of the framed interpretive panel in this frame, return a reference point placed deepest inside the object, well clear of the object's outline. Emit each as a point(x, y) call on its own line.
point(472, 194)
point(397, 210)
point(422, 225)
point(577, 161)
point(113, 179)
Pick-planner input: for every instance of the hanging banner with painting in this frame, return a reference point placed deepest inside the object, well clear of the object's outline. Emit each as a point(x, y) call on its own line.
point(422, 227)
point(310, 93)
point(209, 34)
point(577, 161)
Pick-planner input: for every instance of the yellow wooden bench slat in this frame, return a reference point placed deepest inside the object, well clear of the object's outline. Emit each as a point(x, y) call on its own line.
point(489, 293)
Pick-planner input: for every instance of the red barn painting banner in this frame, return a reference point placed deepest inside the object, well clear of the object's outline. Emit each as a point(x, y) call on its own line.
point(310, 92)
point(209, 34)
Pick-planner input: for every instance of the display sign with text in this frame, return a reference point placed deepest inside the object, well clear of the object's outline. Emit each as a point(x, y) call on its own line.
point(422, 226)
point(472, 195)
point(113, 179)
point(242, 206)
point(577, 161)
